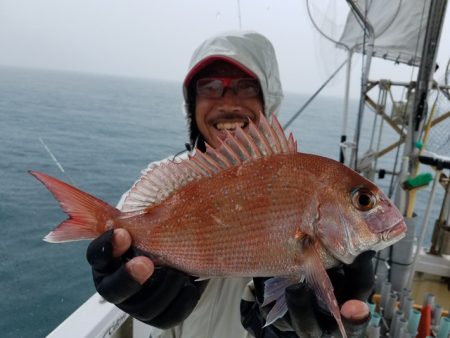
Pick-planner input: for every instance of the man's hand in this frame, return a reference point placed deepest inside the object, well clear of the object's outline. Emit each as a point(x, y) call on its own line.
point(159, 296)
point(112, 261)
point(352, 284)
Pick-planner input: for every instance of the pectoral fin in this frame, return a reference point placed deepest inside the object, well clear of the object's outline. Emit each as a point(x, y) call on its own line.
point(317, 277)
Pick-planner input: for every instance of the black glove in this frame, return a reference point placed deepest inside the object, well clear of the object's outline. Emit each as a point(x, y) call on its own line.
point(305, 316)
point(164, 300)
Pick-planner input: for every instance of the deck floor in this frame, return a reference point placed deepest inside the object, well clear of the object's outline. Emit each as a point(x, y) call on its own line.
point(426, 283)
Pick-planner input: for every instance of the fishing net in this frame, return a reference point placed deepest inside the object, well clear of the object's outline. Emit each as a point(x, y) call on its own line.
point(438, 140)
point(327, 18)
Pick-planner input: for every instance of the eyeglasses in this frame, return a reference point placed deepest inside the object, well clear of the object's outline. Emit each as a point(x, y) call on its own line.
point(214, 87)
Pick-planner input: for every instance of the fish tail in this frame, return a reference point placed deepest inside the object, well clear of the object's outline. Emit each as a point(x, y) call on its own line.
point(88, 216)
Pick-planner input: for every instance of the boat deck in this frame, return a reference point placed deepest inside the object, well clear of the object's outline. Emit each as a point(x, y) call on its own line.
point(425, 283)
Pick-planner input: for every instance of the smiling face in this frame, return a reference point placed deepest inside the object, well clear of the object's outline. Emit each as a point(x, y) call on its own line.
point(214, 116)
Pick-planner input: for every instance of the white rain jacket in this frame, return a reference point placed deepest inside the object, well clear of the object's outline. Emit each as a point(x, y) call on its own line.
point(217, 314)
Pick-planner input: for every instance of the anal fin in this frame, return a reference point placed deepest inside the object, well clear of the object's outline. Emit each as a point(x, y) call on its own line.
point(274, 291)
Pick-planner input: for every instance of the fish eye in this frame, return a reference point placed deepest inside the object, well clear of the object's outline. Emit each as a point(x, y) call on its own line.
point(363, 199)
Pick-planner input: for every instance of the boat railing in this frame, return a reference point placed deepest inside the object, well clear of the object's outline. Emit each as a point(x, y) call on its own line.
point(97, 318)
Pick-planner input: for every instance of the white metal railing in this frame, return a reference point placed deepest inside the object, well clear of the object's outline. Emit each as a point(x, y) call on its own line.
point(94, 318)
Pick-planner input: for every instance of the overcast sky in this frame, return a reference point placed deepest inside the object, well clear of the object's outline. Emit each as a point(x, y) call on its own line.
point(155, 38)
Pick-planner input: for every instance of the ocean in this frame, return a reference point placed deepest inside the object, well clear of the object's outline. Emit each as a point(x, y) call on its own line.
point(101, 130)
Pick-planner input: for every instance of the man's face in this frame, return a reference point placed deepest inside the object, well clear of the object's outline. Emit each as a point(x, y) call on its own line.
point(214, 116)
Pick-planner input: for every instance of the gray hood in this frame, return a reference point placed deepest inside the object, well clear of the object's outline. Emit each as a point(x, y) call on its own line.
point(251, 51)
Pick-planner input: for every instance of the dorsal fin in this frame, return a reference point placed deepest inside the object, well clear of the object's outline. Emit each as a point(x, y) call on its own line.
point(161, 180)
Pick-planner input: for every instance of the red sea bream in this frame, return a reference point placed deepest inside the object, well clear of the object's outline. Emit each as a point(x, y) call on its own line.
point(253, 207)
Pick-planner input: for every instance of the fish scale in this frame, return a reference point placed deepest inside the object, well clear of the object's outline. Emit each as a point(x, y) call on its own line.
point(253, 207)
point(261, 221)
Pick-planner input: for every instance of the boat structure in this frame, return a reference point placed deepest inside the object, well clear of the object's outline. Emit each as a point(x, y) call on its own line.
point(413, 277)
point(412, 289)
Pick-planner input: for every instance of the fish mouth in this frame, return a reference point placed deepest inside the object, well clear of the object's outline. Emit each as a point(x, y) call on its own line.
point(394, 233)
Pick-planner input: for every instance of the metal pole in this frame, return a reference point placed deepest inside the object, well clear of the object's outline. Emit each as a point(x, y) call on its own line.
point(288, 123)
point(424, 227)
point(369, 51)
point(428, 60)
point(345, 112)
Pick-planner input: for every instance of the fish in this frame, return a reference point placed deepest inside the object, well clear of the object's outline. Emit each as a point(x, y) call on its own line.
point(254, 207)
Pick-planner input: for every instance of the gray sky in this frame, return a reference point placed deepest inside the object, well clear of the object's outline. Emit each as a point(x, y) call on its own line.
point(155, 38)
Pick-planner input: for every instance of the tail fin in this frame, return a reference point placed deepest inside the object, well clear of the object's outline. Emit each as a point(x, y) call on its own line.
point(88, 216)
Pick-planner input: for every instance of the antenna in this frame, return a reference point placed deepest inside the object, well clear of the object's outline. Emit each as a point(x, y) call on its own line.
point(239, 14)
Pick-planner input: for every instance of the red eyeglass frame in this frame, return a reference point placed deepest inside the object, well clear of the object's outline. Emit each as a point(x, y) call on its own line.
point(228, 82)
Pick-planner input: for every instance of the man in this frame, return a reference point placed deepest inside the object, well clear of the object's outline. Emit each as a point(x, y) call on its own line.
point(232, 78)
